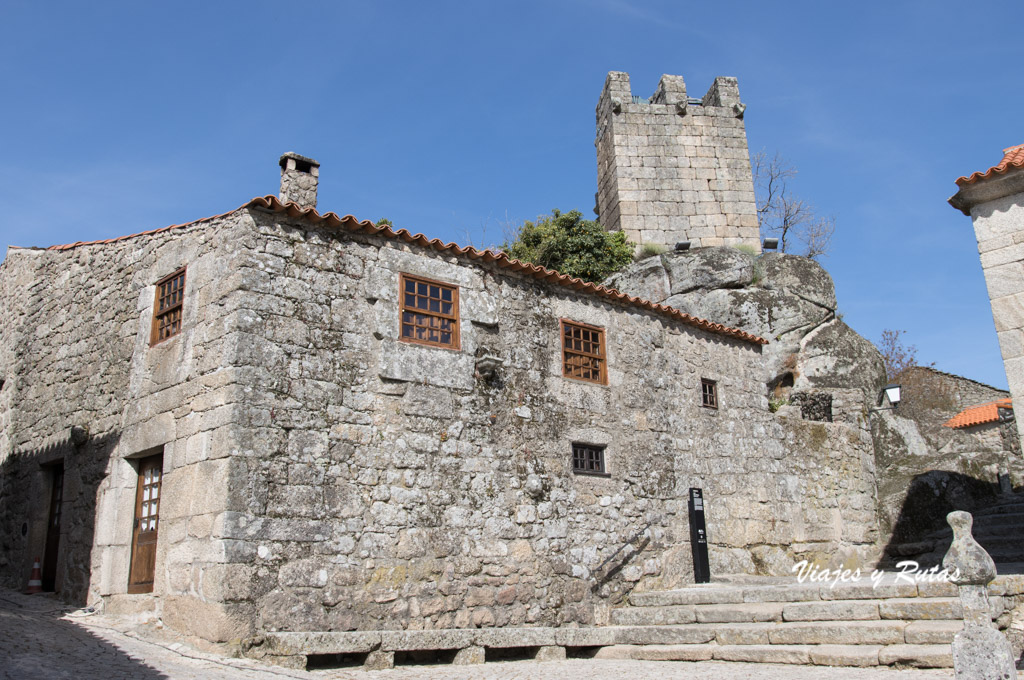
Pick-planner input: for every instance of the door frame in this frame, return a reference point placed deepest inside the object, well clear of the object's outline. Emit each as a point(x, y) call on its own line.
point(142, 563)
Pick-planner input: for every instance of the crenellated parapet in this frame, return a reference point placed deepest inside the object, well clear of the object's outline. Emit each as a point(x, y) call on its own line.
point(675, 168)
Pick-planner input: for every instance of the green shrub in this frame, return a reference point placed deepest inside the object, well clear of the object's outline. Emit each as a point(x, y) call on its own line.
point(571, 245)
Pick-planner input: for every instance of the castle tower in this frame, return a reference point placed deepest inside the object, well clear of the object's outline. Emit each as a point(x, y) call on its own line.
point(672, 168)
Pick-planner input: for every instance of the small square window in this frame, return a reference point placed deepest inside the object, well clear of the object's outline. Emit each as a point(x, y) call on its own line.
point(430, 312)
point(708, 393)
point(583, 352)
point(168, 307)
point(588, 459)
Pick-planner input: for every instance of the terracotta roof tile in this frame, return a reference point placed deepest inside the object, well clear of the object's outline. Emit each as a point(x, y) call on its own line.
point(978, 415)
point(350, 223)
point(502, 260)
point(1013, 157)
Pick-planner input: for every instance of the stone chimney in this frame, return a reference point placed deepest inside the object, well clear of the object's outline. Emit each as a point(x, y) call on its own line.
point(300, 177)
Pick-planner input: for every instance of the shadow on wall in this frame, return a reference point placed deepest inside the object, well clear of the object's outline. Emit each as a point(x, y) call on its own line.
point(50, 647)
point(48, 511)
point(921, 534)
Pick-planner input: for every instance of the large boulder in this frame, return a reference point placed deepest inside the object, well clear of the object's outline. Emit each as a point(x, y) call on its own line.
point(834, 355)
point(646, 279)
point(788, 300)
point(798, 276)
point(708, 269)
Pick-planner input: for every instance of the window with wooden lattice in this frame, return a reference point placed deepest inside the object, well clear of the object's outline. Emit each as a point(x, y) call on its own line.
point(583, 352)
point(430, 312)
point(708, 393)
point(588, 459)
point(168, 306)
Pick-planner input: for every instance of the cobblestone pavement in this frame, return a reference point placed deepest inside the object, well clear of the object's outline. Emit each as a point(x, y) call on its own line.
point(40, 639)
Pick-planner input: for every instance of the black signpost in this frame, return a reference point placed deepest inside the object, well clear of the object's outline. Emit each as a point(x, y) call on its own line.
point(699, 537)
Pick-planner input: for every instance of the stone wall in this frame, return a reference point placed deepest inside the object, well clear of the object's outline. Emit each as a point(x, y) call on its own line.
point(77, 324)
point(386, 484)
point(923, 465)
point(320, 474)
point(999, 228)
point(673, 168)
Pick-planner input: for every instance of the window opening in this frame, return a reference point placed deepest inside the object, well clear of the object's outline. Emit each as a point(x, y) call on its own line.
point(430, 312)
point(708, 393)
point(583, 352)
point(588, 459)
point(167, 308)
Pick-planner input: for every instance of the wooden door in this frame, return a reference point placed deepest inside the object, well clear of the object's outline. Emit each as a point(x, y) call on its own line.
point(147, 514)
point(53, 527)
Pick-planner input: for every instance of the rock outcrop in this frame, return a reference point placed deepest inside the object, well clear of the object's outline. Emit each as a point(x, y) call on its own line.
point(789, 300)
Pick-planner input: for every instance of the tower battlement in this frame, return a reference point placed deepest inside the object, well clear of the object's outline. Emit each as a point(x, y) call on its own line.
point(674, 168)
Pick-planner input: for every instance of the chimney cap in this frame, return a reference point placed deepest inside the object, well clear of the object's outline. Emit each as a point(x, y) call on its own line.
point(299, 159)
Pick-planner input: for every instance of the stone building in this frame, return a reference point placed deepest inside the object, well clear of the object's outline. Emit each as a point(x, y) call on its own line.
point(675, 168)
point(277, 419)
point(994, 199)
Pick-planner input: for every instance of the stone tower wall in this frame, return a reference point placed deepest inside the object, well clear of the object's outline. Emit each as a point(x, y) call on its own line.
point(673, 168)
point(999, 228)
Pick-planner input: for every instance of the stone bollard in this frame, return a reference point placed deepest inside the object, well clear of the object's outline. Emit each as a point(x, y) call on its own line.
point(980, 651)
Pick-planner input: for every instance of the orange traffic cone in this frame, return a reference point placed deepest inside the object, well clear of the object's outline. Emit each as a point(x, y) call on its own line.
point(35, 582)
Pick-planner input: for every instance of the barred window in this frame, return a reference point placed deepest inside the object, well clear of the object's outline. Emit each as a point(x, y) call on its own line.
point(430, 312)
point(583, 352)
point(588, 459)
point(708, 393)
point(167, 308)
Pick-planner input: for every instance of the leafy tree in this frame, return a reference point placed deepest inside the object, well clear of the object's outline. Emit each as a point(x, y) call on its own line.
point(571, 245)
point(385, 222)
point(793, 220)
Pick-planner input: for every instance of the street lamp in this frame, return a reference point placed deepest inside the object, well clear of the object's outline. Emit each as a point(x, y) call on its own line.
point(890, 393)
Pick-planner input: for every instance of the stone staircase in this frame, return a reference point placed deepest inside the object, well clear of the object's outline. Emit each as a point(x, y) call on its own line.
point(851, 624)
point(997, 528)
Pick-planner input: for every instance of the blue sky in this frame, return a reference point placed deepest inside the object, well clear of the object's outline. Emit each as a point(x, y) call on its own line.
point(453, 119)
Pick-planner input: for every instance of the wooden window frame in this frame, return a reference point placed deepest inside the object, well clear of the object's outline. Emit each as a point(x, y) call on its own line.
point(581, 462)
point(456, 343)
point(567, 353)
point(709, 393)
point(160, 313)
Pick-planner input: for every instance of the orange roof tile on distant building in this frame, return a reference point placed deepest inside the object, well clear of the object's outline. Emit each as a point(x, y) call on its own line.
point(978, 415)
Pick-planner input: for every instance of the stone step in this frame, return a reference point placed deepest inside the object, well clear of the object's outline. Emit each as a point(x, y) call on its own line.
point(916, 655)
point(903, 609)
point(1004, 519)
point(862, 590)
point(877, 632)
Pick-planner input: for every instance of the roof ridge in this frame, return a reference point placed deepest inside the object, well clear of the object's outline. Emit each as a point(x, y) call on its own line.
point(1013, 158)
point(292, 209)
point(979, 414)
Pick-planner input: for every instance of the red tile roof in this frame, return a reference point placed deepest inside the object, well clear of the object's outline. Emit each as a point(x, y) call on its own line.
point(978, 415)
point(350, 223)
point(498, 258)
point(1013, 157)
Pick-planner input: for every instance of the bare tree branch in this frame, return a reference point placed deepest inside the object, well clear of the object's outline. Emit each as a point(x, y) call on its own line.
point(781, 214)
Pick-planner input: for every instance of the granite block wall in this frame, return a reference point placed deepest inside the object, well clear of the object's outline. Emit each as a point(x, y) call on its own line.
point(999, 228)
point(76, 353)
point(322, 474)
point(385, 484)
